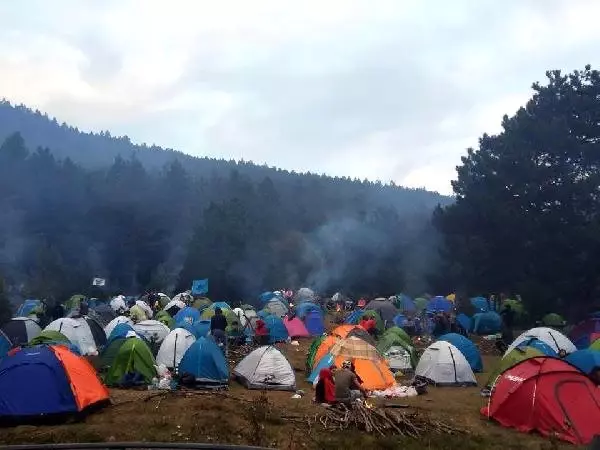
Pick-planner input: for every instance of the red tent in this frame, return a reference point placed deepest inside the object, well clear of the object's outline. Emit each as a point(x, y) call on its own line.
point(547, 395)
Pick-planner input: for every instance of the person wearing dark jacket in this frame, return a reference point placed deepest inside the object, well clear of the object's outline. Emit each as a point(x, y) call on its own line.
point(218, 324)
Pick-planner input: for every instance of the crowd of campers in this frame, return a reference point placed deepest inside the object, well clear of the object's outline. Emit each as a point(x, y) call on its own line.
point(60, 360)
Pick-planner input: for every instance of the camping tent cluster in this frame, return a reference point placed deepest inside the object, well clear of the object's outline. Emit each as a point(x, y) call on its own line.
point(53, 362)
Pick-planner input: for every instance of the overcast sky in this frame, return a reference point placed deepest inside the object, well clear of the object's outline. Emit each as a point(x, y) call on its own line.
point(390, 90)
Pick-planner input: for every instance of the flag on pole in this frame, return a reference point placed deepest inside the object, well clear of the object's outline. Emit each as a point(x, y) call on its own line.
point(200, 287)
point(99, 282)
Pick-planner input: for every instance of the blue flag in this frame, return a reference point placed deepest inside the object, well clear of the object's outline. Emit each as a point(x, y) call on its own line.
point(200, 287)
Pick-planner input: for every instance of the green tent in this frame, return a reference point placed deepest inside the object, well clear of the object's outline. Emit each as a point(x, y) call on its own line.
point(109, 353)
point(517, 307)
point(312, 350)
point(389, 340)
point(399, 332)
point(595, 345)
point(201, 303)
point(376, 316)
point(50, 337)
point(133, 355)
point(553, 320)
point(165, 318)
point(74, 302)
point(421, 303)
point(228, 313)
point(515, 356)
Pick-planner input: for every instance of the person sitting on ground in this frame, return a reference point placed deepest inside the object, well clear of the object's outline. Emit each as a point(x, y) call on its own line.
point(261, 332)
point(347, 387)
point(325, 388)
point(218, 324)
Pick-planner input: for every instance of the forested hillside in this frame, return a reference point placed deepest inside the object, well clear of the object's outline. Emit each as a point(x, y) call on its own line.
point(74, 206)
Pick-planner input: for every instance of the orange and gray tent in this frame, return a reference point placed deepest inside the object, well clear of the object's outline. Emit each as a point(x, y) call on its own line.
point(370, 366)
point(45, 381)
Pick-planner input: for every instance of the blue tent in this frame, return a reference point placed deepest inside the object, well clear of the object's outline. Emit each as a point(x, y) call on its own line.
point(539, 345)
point(326, 361)
point(200, 328)
point(439, 304)
point(313, 321)
point(187, 314)
point(265, 297)
point(406, 304)
point(481, 304)
point(206, 362)
point(304, 308)
point(585, 360)
point(467, 348)
point(35, 382)
point(400, 320)
point(487, 323)
point(222, 305)
point(27, 307)
point(277, 330)
point(354, 317)
point(465, 321)
point(120, 331)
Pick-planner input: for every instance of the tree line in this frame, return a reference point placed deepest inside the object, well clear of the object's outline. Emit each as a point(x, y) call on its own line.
point(524, 218)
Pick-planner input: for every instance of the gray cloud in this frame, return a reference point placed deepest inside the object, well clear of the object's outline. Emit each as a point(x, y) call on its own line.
point(388, 90)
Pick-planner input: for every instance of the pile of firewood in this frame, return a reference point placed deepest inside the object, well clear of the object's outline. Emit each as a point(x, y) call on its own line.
point(382, 421)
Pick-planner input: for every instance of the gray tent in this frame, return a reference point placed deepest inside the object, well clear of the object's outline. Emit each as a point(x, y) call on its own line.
point(266, 368)
point(386, 310)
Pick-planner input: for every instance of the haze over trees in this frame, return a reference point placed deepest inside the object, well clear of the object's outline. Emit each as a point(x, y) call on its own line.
point(154, 219)
point(526, 217)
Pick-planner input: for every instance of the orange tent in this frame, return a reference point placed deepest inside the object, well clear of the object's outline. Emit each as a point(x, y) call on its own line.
point(325, 346)
point(370, 366)
point(343, 330)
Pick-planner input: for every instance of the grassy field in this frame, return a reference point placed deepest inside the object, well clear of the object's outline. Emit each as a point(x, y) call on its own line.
point(230, 418)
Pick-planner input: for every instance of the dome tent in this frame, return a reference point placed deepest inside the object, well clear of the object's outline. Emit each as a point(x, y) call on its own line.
point(487, 323)
point(554, 320)
point(553, 338)
point(515, 356)
point(205, 361)
point(277, 330)
point(443, 364)
point(585, 360)
point(187, 314)
point(120, 331)
point(5, 345)
point(49, 337)
point(113, 323)
point(547, 395)
point(47, 381)
point(467, 348)
point(266, 368)
point(133, 364)
point(295, 328)
point(386, 310)
point(21, 330)
point(174, 346)
point(398, 353)
point(313, 321)
point(152, 330)
point(370, 366)
point(582, 333)
point(165, 318)
point(85, 333)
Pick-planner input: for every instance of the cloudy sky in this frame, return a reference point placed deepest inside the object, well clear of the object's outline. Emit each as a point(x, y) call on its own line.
point(390, 90)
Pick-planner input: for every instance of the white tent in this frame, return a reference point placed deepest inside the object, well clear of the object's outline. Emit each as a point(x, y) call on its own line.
point(398, 358)
point(118, 304)
point(183, 297)
point(553, 338)
point(442, 363)
point(174, 346)
point(142, 304)
point(177, 303)
point(266, 368)
point(116, 321)
point(78, 332)
point(245, 315)
point(152, 330)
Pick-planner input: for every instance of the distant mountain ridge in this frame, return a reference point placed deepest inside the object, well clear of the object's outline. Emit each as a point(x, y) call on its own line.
point(95, 150)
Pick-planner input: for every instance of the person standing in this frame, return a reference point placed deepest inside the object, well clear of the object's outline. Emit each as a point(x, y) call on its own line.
point(218, 325)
